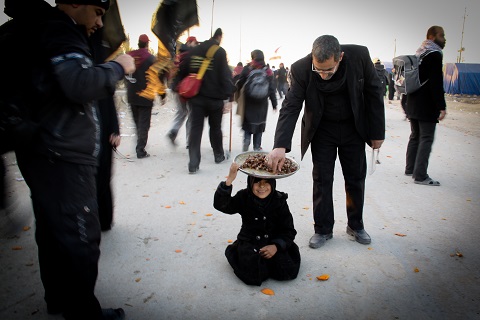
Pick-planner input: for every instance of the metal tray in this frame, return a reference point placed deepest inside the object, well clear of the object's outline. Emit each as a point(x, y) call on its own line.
point(240, 159)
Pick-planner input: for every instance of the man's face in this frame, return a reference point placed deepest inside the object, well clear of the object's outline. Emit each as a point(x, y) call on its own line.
point(440, 38)
point(90, 17)
point(327, 68)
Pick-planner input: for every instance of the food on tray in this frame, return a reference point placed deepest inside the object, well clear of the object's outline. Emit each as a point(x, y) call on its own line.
point(259, 162)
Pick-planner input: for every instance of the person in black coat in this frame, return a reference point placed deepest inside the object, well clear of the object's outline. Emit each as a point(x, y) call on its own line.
point(255, 110)
point(265, 246)
point(344, 109)
point(426, 107)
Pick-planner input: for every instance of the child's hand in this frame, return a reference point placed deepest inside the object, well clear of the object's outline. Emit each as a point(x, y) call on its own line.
point(269, 251)
point(232, 174)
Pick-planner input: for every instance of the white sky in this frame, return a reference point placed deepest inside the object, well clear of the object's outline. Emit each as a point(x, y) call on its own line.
point(387, 28)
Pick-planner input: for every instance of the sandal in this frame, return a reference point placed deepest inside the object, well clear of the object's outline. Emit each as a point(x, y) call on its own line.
point(428, 182)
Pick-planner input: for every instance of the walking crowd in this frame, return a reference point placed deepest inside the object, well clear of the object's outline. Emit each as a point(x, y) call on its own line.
point(337, 86)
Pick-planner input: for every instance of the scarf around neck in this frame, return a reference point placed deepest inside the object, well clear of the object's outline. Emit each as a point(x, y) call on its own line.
point(428, 45)
point(335, 83)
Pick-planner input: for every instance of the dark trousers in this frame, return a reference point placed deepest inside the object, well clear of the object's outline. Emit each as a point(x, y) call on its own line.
point(142, 116)
point(202, 108)
point(342, 138)
point(257, 140)
point(67, 233)
point(419, 148)
point(403, 102)
point(104, 190)
point(282, 88)
point(391, 89)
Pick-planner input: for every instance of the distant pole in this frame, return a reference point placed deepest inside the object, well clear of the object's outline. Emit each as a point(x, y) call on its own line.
point(240, 51)
point(211, 26)
point(395, 47)
point(461, 41)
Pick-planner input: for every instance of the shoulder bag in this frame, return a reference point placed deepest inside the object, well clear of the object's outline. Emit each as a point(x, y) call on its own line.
point(190, 85)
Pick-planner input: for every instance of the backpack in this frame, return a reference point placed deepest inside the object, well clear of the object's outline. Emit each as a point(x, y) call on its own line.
point(257, 84)
point(407, 77)
point(17, 130)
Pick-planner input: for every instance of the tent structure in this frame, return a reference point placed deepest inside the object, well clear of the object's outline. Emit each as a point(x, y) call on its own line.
point(461, 78)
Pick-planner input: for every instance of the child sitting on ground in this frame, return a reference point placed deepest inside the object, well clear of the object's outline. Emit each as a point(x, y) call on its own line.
point(264, 247)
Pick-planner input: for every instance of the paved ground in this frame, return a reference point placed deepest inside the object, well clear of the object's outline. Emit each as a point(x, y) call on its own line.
point(423, 263)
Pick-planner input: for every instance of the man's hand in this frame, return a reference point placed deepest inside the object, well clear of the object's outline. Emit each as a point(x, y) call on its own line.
point(268, 252)
point(115, 140)
point(227, 107)
point(276, 159)
point(127, 62)
point(376, 144)
point(443, 113)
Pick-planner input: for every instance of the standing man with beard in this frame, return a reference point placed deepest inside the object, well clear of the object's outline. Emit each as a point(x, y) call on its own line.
point(426, 107)
point(344, 109)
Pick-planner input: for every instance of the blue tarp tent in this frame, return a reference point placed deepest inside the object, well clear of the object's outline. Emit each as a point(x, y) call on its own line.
point(461, 78)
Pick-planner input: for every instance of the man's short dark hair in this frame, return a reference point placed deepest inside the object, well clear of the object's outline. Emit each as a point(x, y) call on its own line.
point(218, 32)
point(326, 46)
point(433, 31)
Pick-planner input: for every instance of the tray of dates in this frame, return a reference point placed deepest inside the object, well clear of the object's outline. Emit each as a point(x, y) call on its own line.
point(254, 163)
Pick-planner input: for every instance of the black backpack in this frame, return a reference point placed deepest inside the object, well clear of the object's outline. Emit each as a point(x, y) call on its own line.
point(16, 128)
point(257, 84)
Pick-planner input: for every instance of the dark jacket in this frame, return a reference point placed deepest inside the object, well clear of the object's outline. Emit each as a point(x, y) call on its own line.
point(133, 89)
point(365, 94)
point(255, 110)
point(282, 75)
point(382, 74)
point(425, 103)
point(63, 84)
point(217, 82)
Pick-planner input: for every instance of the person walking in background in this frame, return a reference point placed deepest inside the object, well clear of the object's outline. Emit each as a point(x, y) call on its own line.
point(426, 107)
point(60, 163)
point(109, 138)
point(391, 85)
point(343, 99)
point(274, 71)
point(281, 80)
point(382, 74)
point(183, 108)
point(265, 212)
point(217, 87)
point(255, 109)
point(141, 106)
point(237, 71)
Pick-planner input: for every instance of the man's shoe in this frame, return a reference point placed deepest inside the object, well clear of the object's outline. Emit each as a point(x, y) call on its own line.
point(54, 309)
point(192, 170)
point(171, 136)
point(113, 314)
point(361, 236)
point(318, 240)
point(219, 159)
point(143, 155)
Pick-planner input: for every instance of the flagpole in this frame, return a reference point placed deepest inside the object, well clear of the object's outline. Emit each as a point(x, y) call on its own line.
point(211, 25)
point(240, 49)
